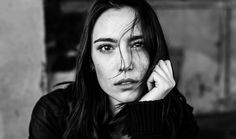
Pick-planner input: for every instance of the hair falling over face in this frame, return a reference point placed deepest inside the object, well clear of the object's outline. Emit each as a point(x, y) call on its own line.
point(91, 116)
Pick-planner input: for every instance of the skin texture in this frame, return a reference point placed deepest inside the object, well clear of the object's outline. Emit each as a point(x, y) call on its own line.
point(160, 82)
point(115, 56)
point(118, 53)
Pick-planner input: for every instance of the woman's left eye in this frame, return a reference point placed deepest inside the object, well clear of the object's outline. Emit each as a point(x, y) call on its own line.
point(137, 45)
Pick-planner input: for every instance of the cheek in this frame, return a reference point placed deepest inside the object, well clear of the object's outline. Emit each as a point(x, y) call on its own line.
point(104, 76)
point(105, 65)
point(103, 73)
point(143, 63)
point(100, 70)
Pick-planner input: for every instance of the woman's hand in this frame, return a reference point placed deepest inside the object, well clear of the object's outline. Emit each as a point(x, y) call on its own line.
point(160, 82)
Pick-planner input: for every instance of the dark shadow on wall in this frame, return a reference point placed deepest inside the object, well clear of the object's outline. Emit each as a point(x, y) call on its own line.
point(63, 30)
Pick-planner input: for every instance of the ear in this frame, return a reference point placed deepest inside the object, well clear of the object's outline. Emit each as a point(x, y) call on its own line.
point(92, 66)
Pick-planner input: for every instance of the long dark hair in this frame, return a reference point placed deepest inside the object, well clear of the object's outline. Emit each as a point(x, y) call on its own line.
point(90, 113)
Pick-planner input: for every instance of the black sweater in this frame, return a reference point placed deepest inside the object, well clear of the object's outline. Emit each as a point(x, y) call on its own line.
point(145, 120)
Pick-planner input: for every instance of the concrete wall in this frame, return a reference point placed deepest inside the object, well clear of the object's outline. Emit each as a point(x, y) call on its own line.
point(204, 34)
point(195, 32)
point(21, 57)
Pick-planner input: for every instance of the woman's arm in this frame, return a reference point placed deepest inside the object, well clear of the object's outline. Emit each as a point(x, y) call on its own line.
point(162, 113)
point(168, 118)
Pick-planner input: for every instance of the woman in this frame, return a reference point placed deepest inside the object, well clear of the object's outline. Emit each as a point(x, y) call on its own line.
point(124, 86)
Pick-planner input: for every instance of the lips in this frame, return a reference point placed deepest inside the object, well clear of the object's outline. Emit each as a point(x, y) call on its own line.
point(124, 82)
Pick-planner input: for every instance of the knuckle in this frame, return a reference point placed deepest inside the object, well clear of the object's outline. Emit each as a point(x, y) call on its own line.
point(157, 66)
point(163, 63)
point(174, 83)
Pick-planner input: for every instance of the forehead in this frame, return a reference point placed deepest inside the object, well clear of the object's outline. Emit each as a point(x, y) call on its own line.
point(115, 23)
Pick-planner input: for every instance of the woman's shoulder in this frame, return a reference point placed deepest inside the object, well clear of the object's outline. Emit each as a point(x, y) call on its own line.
point(48, 118)
point(57, 101)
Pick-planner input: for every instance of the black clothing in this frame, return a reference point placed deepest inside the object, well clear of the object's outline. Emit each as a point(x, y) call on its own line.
point(145, 120)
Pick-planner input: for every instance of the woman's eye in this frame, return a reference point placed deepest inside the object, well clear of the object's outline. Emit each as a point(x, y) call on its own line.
point(105, 48)
point(138, 44)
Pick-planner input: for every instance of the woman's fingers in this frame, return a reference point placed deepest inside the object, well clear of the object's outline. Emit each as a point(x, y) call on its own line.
point(160, 82)
point(156, 77)
point(150, 81)
point(166, 66)
point(164, 70)
point(157, 85)
point(168, 63)
point(163, 65)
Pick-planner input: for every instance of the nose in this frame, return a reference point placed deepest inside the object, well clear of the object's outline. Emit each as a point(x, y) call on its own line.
point(126, 59)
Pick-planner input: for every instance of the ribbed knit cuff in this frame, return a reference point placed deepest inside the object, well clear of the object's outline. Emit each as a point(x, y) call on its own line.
point(145, 118)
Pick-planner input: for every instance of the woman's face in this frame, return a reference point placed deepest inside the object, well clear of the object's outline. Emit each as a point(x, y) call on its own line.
point(119, 57)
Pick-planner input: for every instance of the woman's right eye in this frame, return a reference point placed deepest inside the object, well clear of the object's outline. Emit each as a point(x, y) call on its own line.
point(105, 48)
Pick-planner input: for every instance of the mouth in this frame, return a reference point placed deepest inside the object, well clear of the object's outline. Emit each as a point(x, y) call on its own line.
point(126, 82)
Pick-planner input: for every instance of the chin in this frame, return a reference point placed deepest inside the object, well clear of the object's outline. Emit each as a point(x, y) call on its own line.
point(129, 97)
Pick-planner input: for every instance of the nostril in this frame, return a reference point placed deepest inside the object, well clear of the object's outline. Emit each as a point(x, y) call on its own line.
point(126, 59)
point(126, 68)
point(130, 67)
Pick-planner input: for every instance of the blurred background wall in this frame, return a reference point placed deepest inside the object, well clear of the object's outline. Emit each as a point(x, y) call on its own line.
point(38, 44)
point(22, 52)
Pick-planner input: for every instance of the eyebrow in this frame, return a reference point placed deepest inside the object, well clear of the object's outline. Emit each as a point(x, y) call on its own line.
point(135, 38)
point(105, 40)
point(115, 41)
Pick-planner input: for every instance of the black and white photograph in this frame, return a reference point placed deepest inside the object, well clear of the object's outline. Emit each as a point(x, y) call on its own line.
point(117, 69)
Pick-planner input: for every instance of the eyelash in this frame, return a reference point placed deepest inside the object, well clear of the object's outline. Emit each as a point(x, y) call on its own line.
point(139, 43)
point(102, 48)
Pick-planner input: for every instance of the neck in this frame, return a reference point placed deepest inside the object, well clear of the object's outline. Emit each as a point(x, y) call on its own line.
point(115, 105)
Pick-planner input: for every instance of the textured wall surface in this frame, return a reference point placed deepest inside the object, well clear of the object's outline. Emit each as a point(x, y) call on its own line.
point(196, 33)
point(203, 33)
point(21, 57)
